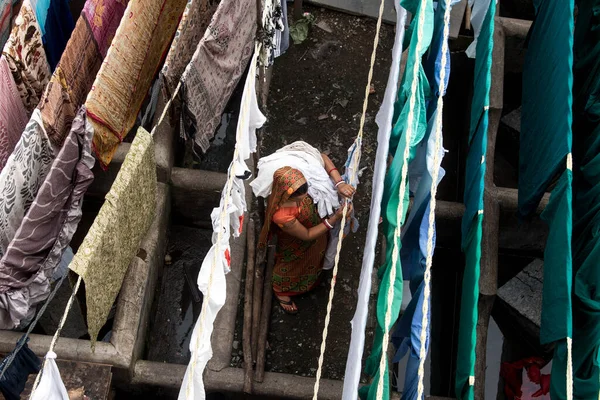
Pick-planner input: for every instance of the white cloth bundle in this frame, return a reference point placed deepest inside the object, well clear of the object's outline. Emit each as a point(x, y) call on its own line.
point(306, 159)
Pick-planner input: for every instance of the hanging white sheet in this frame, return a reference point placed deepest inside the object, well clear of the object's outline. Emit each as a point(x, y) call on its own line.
point(384, 122)
point(218, 259)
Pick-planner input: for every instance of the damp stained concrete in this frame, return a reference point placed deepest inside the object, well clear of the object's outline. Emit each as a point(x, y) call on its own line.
point(177, 302)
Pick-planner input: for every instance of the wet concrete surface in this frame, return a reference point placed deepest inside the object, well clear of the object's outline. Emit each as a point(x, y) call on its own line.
point(178, 301)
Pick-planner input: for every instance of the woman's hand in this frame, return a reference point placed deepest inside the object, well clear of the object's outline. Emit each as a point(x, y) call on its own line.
point(346, 190)
point(340, 212)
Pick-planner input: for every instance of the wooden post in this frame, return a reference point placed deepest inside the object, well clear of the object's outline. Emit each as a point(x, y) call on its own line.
point(257, 300)
point(265, 317)
point(248, 298)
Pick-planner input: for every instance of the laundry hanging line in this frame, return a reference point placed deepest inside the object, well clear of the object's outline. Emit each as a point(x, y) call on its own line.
point(352, 169)
point(433, 193)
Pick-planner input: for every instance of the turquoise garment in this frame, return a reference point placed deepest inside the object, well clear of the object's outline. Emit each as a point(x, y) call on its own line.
point(472, 221)
point(586, 222)
point(545, 148)
point(415, 232)
point(422, 11)
point(41, 8)
point(547, 101)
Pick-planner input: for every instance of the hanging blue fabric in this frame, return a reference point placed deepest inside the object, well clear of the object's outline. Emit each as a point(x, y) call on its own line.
point(407, 337)
point(57, 30)
point(25, 362)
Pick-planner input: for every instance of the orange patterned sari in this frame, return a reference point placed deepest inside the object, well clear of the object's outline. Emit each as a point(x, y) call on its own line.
point(298, 263)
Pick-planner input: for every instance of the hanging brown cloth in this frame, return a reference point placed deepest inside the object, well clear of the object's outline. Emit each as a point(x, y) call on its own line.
point(73, 77)
point(125, 76)
point(216, 68)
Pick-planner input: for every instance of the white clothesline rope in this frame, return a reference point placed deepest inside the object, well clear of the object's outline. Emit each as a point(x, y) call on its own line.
point(57, 333)
point(432, 204)
point(224, 212)
point(355, 161)
point(23, 339)
point(400, 210)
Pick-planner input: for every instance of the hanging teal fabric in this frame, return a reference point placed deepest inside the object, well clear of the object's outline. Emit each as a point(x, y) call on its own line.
point(586, 221)
point(547, 86)
point(545, 156)
point(419, 34)
point(473, 216)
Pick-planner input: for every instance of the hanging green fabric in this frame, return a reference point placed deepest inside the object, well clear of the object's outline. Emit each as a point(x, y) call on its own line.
point(545, 155)
point(473, 217)
point(420, 33)
point(547, 101)
point(556, 298)
point(586, 222)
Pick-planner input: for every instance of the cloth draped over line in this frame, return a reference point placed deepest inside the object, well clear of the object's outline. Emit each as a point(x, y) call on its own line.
point(272, 23)
point(417, 34)
point(24, 52)
point(384, 122)
point(109, 247)
point(282, 36)
point(302, 156)
point(192, 27)
point(218, 259)
point(22, 177)
point(350, 176)
point(73, 78)
point(13, 115)
point(407, 337)
point(545, 152)
point(56, 24)
point(472, 222)
point(124, 78)
point(480, 8)
point(32, 257)
point(51, 385)
point(586, 196)
point(15, 377)
point(216, 68)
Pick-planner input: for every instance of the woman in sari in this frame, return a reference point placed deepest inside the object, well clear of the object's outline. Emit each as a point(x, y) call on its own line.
point(302, 236)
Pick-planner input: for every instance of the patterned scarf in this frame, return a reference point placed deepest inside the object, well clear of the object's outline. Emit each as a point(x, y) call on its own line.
point(13, 115)
point(216, 68)
point(73, 78)
point(24, 52)
point(130, 66)
point(108, 248)
point(286, 181)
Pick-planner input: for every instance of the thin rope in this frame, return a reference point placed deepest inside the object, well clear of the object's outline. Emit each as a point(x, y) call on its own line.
point(400, 209)
point(23, 339)
point(355, 161)
point(432, 204)
point(166, 109)
point(570, 369)
point(57, 333)
point(224, 213)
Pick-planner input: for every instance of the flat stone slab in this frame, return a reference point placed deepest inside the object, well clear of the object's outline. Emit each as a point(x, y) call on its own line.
point(523, 294)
